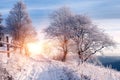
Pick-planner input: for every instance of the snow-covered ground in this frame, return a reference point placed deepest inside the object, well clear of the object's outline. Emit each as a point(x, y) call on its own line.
point(25, 68)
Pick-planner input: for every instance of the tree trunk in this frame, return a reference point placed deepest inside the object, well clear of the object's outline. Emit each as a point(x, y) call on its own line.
point(64, 56)
point(65, 49)
point(80, 56)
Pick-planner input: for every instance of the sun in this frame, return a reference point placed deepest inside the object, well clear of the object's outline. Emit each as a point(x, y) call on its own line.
point(42, 47)
point(34, 48)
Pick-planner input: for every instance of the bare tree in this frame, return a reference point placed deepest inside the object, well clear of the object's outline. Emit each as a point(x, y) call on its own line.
point(59, 28)
point(88, 38)
point(19, 25)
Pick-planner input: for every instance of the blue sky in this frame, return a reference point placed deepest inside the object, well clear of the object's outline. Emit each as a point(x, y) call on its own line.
point(104, 13)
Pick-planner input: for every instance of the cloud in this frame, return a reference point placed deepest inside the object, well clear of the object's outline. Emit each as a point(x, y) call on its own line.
point(83, 4)
point(4, 11)
point(108, 24)
point(111, 26)
point(107, 9)
point(41, 24)
point(43, 8)
point(77, 4)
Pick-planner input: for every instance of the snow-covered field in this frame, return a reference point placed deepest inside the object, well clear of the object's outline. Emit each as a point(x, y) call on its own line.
point(25, 68)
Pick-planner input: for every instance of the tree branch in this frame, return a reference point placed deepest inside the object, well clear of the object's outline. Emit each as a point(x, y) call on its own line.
point(93, 53)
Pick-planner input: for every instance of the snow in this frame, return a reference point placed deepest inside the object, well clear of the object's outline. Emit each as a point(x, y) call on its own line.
point(41, 68)
point(25, 68)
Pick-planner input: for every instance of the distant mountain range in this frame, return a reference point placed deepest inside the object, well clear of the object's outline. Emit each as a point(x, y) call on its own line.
point(110, 61)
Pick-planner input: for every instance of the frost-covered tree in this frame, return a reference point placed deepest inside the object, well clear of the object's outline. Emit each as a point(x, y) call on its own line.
point(59, 28)
point(20, 25)
point(2, 30)
point(88, 38)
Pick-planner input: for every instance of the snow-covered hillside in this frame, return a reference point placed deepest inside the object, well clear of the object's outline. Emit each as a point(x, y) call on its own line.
point(25, 68)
